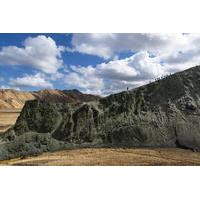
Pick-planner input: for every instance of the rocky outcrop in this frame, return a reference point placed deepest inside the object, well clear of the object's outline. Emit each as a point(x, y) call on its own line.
point(165, 113)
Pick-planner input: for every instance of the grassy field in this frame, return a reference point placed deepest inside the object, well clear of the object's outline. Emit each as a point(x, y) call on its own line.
point(7, 119)
point(111, 157)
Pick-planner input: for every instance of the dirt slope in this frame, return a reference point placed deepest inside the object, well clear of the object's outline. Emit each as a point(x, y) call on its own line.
point(12, 99)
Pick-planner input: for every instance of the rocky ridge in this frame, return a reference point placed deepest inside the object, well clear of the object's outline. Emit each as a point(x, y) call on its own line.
point(164, 113)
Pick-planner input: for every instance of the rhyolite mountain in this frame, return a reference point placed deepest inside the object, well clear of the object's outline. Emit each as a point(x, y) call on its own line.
point(164, 113)
point(14, 100)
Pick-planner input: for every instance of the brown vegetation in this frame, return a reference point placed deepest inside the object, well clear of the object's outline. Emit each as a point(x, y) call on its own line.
point(111, 157)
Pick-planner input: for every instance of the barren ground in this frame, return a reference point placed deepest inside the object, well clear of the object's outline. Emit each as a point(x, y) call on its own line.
point(7, 119)
point(111, 157)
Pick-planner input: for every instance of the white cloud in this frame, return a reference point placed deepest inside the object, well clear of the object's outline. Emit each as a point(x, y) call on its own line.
point(115, 86)
point(56, 76)
point(116, 75)
point(138, 66)
point(37, 80)
point(107, 45)
point(84, 78)
point(39, 52)
point(117, 70)
point(154, 55)
point(181, 60)
point(6, 87)
point(147, 67)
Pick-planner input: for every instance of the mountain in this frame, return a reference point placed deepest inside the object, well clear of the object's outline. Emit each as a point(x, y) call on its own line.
point(164, 113)
point(64, 96)
point(12, 99)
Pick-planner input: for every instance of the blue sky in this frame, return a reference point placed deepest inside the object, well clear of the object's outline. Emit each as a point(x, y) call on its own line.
point(91, 62)
point(69, 58)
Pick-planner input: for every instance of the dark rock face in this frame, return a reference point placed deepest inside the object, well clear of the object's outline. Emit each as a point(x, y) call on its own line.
point(165, 113)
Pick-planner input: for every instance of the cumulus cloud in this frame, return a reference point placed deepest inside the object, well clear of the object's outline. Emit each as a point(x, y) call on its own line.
point(116, 75)
point(115, 86)
point(138, 66)
point(107, 45)
point(56, 76)
point(84, 78)
point(181, 60)
point(39, 52)
point(37, 80)
point(154, 55)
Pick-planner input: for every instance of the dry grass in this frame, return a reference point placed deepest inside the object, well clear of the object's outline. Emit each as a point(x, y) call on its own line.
point(111, 157)
point(7, 119)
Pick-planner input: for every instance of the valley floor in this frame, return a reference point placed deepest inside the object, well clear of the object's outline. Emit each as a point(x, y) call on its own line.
point(111, 157)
